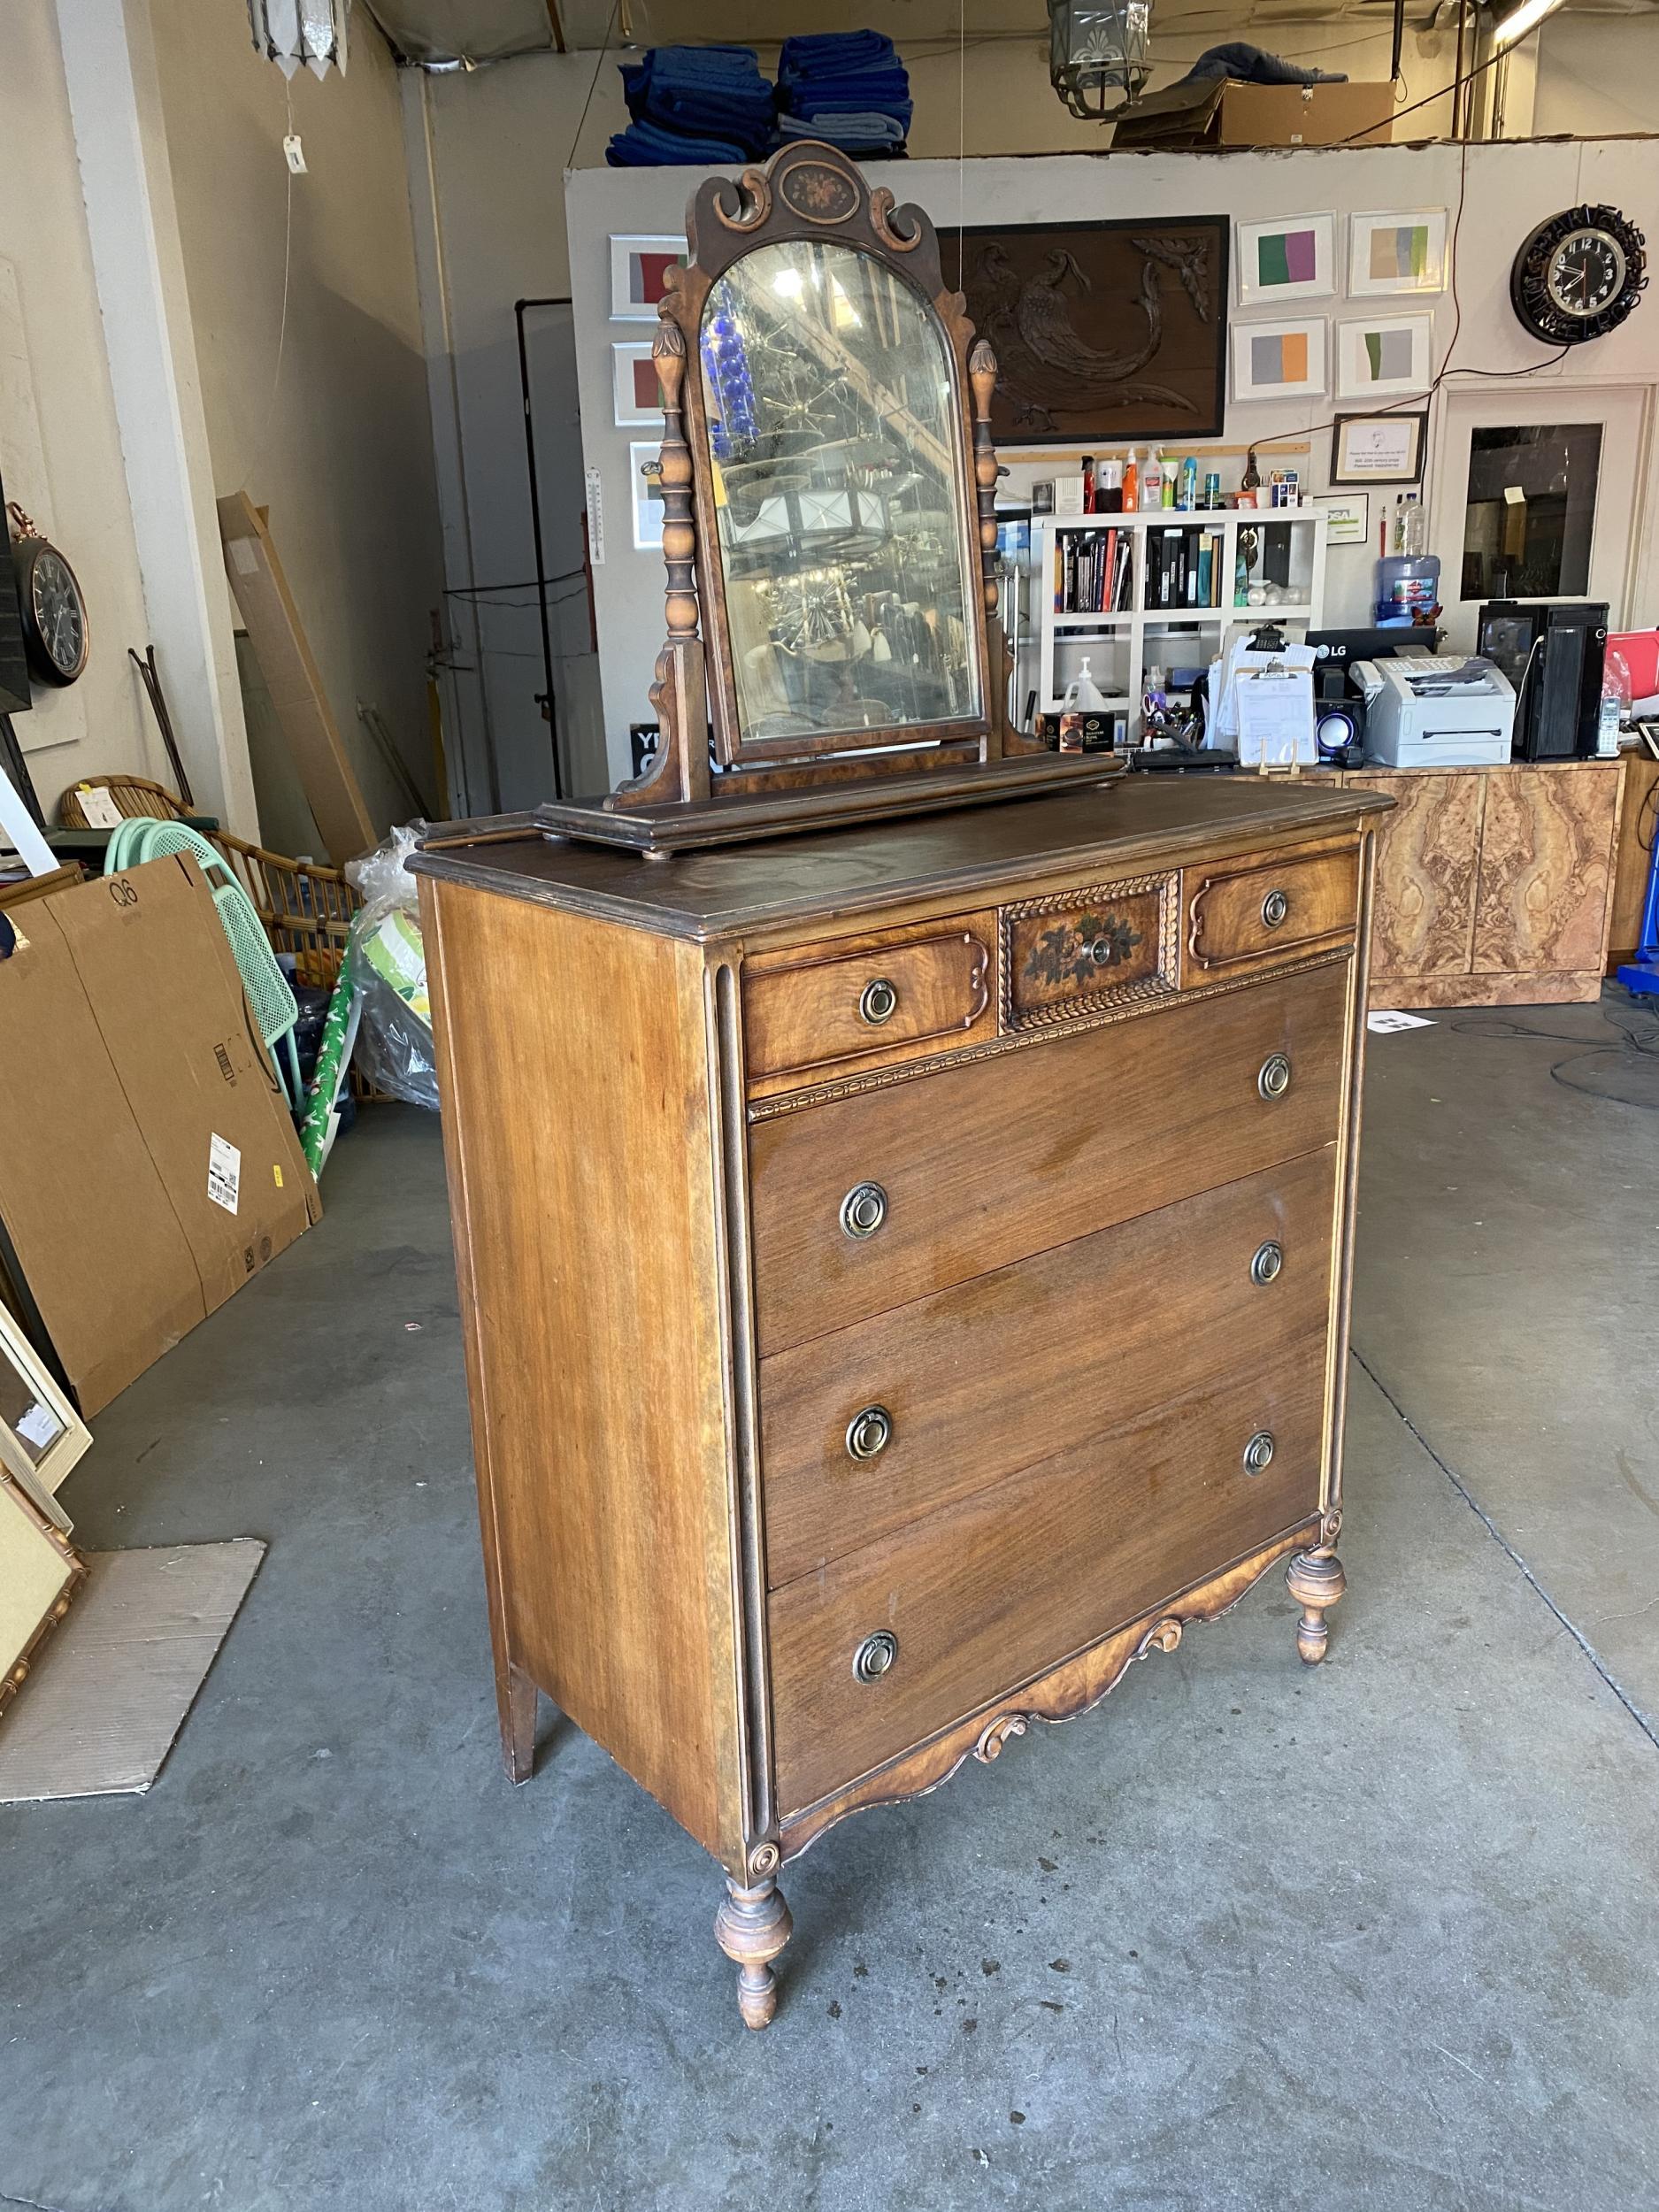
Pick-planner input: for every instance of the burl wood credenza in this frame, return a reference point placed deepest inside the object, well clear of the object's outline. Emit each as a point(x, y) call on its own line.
point(905, 1276)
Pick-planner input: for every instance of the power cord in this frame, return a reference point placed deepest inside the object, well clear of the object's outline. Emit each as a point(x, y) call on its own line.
point(1635, 1056)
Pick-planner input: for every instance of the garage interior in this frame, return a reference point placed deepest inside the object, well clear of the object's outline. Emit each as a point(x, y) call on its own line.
point(1373, 1929)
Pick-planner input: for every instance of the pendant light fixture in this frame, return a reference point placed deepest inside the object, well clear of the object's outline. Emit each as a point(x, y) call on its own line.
point(1097, 47)
point(294, 32)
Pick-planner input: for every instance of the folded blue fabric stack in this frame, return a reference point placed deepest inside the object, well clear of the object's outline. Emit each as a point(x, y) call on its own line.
point(847, 88)
point(694, 103)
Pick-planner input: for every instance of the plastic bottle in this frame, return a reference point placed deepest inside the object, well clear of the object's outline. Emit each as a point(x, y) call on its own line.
point(1190, 485)
point(1089, 483)
point(1170, 475)
point(1130, 482)
point(1084, 693)
point(1616, 704)
point(1408, 578)
point(1152, 483)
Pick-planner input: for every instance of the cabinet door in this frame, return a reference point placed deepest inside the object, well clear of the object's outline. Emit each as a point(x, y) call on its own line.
point(1423, 911)
point(1546, 869)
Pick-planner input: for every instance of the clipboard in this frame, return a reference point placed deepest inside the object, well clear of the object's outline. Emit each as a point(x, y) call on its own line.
point(1274, 707)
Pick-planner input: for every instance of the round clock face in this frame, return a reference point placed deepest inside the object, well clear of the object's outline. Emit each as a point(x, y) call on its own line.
point(1585, 271)
point(1579, 275)
point(54, 616)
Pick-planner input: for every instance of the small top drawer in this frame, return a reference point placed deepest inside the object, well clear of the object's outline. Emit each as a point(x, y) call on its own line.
point(1252, 913)
point(824, 1005)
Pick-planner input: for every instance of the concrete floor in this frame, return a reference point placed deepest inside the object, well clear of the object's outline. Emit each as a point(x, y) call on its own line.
point(1382, 1936)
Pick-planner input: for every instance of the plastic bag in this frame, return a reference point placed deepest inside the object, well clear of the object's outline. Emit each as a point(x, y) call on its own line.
point(387, 963)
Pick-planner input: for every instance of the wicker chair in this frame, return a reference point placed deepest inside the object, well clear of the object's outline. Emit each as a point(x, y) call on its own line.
point(305, 907)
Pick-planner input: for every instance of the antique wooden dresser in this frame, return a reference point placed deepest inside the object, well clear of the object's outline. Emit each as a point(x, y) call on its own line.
point(904, 1262)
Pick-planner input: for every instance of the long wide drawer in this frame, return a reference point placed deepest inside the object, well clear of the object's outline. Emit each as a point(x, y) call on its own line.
point(975, 1166)
point(980, 1599)
point(992, 1375)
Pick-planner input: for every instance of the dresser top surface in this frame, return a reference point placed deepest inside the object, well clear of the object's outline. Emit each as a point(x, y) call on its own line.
point(1118, 825)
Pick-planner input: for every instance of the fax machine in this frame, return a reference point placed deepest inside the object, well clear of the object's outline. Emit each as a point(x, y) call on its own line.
point(1436, 710)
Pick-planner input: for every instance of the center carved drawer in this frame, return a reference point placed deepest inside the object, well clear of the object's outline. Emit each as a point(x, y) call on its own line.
point(906, 1635)
point(864, 1203)
point(881, 1423)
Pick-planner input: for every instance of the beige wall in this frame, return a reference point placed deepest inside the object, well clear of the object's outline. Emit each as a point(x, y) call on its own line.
point(1598, 75)
point(98, 725)
point(344, 457)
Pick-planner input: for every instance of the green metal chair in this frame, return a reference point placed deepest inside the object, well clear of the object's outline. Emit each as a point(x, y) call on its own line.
point(274, 1007)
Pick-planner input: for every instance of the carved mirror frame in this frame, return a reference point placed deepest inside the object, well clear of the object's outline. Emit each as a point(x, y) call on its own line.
point(814, 193)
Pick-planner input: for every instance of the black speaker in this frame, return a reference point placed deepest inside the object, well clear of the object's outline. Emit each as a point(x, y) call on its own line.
point(1554, 656)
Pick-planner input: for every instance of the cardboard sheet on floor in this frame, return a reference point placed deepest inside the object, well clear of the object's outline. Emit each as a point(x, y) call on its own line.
point(112, 1688)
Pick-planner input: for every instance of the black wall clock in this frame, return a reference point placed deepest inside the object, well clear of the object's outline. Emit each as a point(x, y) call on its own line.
point(50, 601)
point(1579, 275)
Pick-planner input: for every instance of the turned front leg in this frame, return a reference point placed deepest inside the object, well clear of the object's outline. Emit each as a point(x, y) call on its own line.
point(751, 1927)
point(1316, 1581)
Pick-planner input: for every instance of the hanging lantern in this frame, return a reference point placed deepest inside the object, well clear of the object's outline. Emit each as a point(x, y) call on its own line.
point(1096, 49)
point(292, 32)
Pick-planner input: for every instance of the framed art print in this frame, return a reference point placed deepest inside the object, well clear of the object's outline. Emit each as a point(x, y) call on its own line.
point(645, 473)
point(1283, 360)
point(1385, 449)
point(638, 396)
point(1391, 254)
point(1383, 356)
point(1292, 258)
point(639, 275)
point(1347, 518)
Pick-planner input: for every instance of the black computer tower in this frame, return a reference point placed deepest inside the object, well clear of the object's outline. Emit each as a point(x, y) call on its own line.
point(1553, 654)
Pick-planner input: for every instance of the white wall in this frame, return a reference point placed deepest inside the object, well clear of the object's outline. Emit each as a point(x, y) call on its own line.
point(99, 726)
point(1598, 75)
point(1510, 187)
point(340, 448)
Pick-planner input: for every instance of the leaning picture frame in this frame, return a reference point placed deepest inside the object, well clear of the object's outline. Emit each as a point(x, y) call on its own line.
point(41, 1436)
point(1385, 447)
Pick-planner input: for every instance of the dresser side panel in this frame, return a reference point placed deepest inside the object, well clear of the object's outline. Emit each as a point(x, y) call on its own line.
point(578, 1135)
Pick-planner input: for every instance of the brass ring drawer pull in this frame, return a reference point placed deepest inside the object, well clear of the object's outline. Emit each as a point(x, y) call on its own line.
point(875, 1656)
point(864, 1210)
point(1268, 1260)
point(878, 1002)
point(1258, 1452)
point(1274, 1079)
point(1275, 906)
point(870, 1432)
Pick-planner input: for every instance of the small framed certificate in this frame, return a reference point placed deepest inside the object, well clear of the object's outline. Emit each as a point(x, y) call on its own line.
point(1386, 448)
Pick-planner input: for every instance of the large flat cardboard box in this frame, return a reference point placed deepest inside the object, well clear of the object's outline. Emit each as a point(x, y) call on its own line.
point(1217, 111)
point(148, 1166)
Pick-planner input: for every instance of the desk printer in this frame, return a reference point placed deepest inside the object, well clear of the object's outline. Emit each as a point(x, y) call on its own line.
point(1436, 710)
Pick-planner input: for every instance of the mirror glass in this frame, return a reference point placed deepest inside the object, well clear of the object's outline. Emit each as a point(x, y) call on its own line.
point(830, 396)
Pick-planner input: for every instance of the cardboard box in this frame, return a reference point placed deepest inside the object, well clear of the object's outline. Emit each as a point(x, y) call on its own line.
point(1217, 111)
point(148, 1166)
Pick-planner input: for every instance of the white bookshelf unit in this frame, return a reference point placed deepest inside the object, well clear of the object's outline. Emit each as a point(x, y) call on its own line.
point(1120, 647)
